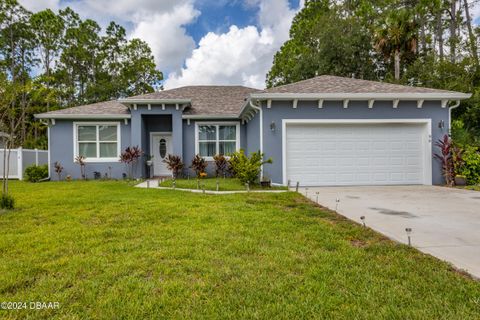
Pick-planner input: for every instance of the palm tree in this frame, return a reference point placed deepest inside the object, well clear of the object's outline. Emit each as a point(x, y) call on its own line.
point(397, 35)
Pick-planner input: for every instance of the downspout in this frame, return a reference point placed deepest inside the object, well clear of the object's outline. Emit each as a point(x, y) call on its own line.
point(456, 105)
point(261, 132)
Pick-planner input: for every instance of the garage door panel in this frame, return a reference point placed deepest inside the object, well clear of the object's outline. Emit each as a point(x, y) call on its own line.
point(355, 154)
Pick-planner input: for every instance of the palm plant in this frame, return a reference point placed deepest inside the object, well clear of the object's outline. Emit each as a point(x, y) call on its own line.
point(397, 36)
point(174, 164)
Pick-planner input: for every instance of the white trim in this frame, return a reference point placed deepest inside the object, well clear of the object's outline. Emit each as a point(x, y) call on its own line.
point(97, 123)
point(154, 101)
point(208, 117)
point(149, 106)
point(82, 116)
point(428, 157)
point(217, 123)
point(444, 103)
point(420, 103)
point(395, 103)
point(370, 103)
point(362, 96)
point(295, 103)
point(345, 103)
point(320, 104)
point(269, 103)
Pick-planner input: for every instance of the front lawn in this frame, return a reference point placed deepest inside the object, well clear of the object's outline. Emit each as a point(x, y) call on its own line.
point(227, 184)
point(106, 250)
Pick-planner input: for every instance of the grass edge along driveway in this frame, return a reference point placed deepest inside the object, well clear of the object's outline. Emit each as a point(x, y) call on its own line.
point(107, 250)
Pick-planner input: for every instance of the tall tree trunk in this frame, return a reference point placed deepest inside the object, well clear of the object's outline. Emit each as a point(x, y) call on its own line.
point(440, 36)
point(472, 40)
point(397, 64)
point(453, 30)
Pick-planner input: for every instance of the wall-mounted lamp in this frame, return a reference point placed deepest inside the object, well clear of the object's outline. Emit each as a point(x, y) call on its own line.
point(272, 126)
point(441, 124)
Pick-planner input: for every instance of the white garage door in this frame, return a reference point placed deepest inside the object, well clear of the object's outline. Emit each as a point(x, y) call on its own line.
point(357, 154)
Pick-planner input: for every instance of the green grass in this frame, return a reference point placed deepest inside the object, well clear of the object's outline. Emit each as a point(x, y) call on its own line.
point(228, 184)
point(105, 250)
point(475, 188)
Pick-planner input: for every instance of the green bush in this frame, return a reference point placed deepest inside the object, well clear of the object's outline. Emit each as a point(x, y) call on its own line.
point(6, 202)
point(246, 169)
point(35, 173)
point(471, 165)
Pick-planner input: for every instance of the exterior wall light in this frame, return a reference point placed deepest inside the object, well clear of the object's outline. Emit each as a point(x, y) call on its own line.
point(273, 126)
point(441, 124)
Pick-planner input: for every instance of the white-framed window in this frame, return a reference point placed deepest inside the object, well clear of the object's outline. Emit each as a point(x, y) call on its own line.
point(97, 141)
point(213, 138)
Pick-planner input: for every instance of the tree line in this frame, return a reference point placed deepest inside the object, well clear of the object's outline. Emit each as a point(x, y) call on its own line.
point(52, 60)
point(431, 43)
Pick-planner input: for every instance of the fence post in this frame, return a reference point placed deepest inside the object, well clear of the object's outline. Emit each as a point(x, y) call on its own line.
point(19, 163)
point(36, 156)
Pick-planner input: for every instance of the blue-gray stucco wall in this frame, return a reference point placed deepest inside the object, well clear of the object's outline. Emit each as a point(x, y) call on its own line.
point(61, 150)
point(272, 141)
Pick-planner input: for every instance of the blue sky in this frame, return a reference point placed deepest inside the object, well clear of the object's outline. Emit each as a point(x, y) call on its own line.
point(198, 41)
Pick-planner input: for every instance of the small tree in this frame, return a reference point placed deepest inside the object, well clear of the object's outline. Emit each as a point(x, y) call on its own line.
point(446, 159)
point(80, 160)
point(58, 169)
point(198, 165)
point(130, 157)
point(221, 165)
point(174, 164)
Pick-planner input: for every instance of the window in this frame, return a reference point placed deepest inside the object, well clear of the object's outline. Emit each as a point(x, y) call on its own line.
point(97, 141)
point(222, 138)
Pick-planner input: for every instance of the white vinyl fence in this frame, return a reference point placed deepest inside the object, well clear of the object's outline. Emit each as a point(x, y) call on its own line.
point(20, 159)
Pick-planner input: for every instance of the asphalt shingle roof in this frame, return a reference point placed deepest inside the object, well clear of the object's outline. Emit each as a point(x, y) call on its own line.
point(206, 100)
point(112, 107)
point(334, 84)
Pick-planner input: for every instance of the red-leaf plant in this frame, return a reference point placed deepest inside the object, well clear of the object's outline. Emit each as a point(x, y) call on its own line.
point(174, 163)
point(130, 157)
point(446, 159)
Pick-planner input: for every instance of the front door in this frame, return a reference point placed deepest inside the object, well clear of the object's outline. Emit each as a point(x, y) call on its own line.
point(161, 146)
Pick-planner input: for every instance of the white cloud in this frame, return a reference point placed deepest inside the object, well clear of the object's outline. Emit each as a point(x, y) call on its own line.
point(241, 55)
point(166, 35)
point(37, 5)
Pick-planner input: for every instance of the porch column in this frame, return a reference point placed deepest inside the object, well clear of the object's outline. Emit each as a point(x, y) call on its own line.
point(177, 134)
point(137, 133)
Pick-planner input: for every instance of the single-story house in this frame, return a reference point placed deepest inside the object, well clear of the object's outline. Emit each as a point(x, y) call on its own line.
point(326, 130)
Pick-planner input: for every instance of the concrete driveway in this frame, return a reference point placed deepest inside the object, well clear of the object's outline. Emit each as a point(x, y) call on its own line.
point(445, 222)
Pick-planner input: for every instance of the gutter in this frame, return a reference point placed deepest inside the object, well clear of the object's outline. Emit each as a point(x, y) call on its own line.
point(362, 96)
point(456, 105)
point(81, 116)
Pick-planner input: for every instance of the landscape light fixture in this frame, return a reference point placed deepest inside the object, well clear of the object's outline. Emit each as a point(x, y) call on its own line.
point(317, 195)
point(337, 201)
point(273, 126)
point(409, 232)
point(363, 220)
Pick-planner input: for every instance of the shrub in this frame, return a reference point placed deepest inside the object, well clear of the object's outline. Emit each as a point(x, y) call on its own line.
point(130, 157)
point(35, 173)
point(446, 159)
point(471, 165)
point(198, 165)
point(58, 169)
point(246, 169)
point(174, 164)
point(7, 202)
point(221, 165)
point(80, 160)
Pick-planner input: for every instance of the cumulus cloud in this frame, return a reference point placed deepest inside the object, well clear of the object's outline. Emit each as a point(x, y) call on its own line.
point(37, 5)
point(241, 55)
point(166, 35)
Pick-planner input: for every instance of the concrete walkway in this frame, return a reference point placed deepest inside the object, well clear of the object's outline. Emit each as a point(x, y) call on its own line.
point(445, 221)
point(153, 184)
